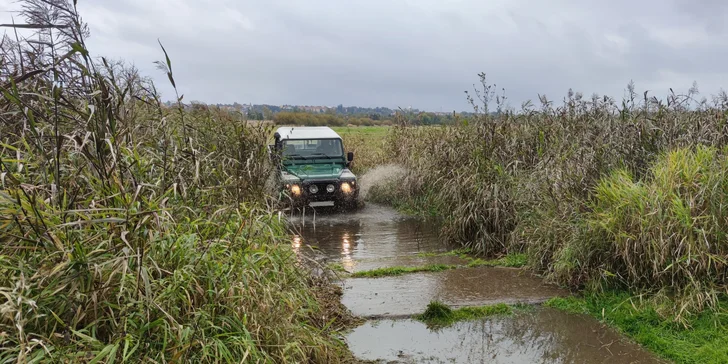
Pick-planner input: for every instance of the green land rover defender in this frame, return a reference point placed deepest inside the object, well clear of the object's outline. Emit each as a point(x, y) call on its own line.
point(313, 168)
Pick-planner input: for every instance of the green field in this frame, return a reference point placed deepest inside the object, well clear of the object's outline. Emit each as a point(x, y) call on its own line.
point(368, 144)
point(369, 132)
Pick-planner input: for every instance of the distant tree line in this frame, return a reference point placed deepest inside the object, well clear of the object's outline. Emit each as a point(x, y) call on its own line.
point(329, 119)
point(312, 119)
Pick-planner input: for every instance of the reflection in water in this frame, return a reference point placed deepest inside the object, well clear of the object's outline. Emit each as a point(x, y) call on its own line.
point(543, 336)
point(346, 261)
point(372, 233)
point(296, 243)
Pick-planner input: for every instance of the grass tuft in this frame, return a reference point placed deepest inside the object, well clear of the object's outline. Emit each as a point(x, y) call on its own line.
point(510, 260)
point(396, 271)
point(440, 315)
point(336, 267)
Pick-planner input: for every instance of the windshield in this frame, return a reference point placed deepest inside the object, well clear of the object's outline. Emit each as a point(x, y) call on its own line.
point(313, 148)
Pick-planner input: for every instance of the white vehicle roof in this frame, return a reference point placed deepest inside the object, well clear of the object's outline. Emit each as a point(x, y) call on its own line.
point(307, 132)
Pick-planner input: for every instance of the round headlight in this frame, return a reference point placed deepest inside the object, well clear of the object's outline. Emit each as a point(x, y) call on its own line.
point(296, 190)
point(313, 189)
point(346, 187)
point(330, 188)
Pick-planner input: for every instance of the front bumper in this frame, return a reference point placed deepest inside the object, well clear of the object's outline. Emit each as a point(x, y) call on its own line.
point(322, 194)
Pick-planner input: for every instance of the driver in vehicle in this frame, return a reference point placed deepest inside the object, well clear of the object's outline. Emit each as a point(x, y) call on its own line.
point(327, 147)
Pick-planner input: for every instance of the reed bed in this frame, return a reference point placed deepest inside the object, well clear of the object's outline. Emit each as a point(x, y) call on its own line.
point(598, 193)
point(136, 232)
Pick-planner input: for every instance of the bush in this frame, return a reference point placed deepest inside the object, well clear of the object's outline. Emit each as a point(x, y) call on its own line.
point(667, 231)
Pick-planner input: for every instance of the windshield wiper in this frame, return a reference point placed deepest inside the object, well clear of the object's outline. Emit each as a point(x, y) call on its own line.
point(322, 154)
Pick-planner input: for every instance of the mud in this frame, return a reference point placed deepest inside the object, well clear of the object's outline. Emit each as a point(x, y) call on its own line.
point(541, 336)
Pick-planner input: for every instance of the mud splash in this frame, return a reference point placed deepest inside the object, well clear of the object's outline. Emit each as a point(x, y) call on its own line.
point(379, 175)
point(541, 336)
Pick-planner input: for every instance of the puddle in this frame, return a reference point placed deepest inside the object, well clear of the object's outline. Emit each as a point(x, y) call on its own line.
point(541, 336)
point(378, 237)
point(410, 293)
point(406, 261)
point(374, 232)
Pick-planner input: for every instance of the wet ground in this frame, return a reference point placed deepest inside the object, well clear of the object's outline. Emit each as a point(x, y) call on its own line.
point(541, 336)
point(378, 237)
point(409, 294)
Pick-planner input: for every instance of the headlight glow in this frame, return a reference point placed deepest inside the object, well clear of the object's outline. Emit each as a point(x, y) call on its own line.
point(296, 190)
point(345, 187)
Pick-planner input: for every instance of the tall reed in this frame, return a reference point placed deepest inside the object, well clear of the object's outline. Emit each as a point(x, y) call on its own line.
point(509, 180)
point(132, 231)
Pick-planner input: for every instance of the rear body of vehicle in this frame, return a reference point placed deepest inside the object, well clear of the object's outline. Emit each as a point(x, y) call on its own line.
point(313, 167)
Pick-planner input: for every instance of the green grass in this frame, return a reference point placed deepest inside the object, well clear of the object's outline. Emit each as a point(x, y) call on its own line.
point(510, 260)
point(367, 131)
point(438, 314)
point(336, 267)
point(396, 271)
point(513, 260)
point(368, 143)
point(462, 253)
point(705, 341)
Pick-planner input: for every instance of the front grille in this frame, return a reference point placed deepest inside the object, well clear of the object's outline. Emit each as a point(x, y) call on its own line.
point(322, 187)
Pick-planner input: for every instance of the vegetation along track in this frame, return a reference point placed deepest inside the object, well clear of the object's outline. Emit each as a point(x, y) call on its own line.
point(134, 231)
point(612, 200)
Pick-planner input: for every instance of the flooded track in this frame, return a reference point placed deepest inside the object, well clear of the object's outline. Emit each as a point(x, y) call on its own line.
point(409, 294)
point(541, 336)
point(378, 237)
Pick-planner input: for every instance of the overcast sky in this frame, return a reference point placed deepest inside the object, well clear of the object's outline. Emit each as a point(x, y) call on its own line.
point(419, 53)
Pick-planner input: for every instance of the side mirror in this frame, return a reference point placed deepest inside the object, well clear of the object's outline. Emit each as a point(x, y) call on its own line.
point(350, 156)
point(277, 142)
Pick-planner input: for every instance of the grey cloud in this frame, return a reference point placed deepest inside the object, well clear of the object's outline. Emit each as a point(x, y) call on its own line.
point(421, 53)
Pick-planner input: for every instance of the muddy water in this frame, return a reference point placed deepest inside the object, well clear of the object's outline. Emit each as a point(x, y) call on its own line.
point(410, 294)
point(372, 237)
point(377, 237)
point(542, 336)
